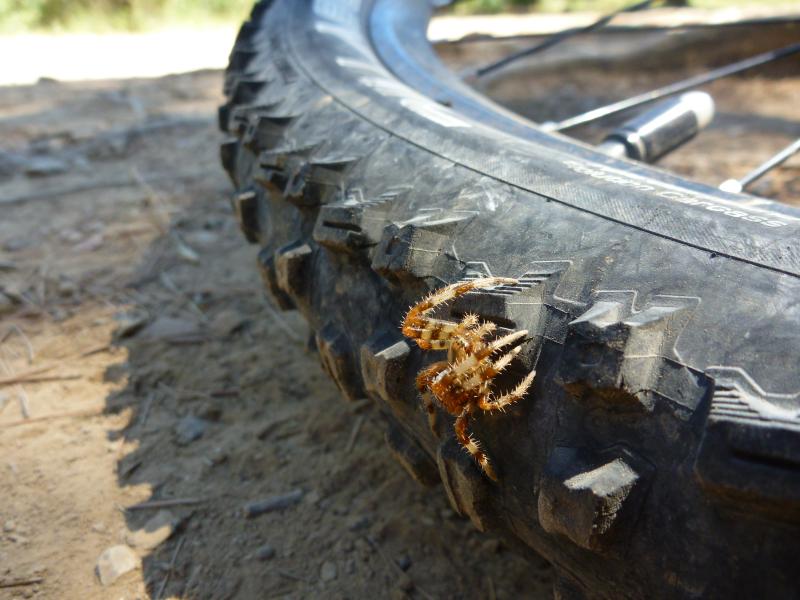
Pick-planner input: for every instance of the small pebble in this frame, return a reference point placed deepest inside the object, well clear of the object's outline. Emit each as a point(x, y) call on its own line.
point(313, 497)
point(114, 562)
point(228, 322)
point(17, 244)
point(358, 523)
point(259, 507)
point(202, 238)
point(328, 571)
point(17, 539)
point(91, 243)
point(189, 429)
point(67, 288)
point(350, 567)
point(265, 552)
point(155, 532)
point(43, 166)
point(210, 411)
point(9, 526)
point(99, 527)
point(171, 329)
point(129, 324)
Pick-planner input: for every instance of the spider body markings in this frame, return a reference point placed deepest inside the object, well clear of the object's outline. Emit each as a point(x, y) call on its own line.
point(462, 384)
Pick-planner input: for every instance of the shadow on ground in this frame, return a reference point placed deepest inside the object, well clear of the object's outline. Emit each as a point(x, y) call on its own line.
point(170, 397)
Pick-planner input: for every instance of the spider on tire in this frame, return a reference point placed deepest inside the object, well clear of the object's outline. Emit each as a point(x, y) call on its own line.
point(462, 384)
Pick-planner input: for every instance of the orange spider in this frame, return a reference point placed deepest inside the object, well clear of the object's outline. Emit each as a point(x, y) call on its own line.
point(462, 383)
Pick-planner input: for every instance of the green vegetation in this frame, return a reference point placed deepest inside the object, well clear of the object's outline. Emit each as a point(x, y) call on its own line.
point(106, 15)
point(466, 7)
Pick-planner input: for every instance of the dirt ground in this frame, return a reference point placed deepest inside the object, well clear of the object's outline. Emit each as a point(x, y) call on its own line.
point(152, 369)
point(149, 394)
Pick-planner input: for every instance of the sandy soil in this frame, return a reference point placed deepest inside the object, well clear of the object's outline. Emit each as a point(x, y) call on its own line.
point(132, 315)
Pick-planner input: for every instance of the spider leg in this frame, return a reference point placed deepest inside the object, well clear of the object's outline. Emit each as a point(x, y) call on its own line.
point(504, 400)
point(418, 326)
point(472, 445)
point(431, 334)
point(483, 330)
point(430, 409)
point(505, 341)
point(479, 374)
point(469, 321)
point(501, 363)
point(423, 385)
point(473, 361)
point(471, 369)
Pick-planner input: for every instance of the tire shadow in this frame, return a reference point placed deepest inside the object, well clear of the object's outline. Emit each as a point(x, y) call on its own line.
point(260, 480)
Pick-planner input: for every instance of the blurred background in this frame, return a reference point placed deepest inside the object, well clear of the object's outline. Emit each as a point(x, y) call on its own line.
point(59, 39)
point(134, 15)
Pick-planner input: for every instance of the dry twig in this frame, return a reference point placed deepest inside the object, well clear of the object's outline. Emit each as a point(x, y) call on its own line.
point(191, 580)
point(22, 396)
point(28, 346)
point(290, 575)
point(24, 404)
point(359, 423)
point(146, 410)
point(170, 569)
point(96, 350)
point(18, 379)
point(88, 412)
point(171, 286)
point(20, 582)
point(281, 322)
point(165, 503)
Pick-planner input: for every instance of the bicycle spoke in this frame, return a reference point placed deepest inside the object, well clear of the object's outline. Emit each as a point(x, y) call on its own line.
point(673, 88)
point(553, 40)
point(734, 185)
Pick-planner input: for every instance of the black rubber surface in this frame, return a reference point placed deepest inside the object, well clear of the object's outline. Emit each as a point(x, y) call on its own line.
point(658, 452)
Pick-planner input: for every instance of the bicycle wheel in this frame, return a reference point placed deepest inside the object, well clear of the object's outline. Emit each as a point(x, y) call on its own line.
point(657, 451)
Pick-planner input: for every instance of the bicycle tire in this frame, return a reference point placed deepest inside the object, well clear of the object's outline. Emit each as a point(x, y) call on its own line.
point(657, 452)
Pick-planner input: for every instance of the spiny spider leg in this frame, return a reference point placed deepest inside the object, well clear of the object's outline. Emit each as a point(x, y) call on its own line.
point(476, 360)
point(508, 398)
point(506, 340)
point(464, 342)
point(481, 374)
point(484, 329)
point(472, 445)
point(462, 384)
point(424, 380)
point(469, 321)
point(427, 331)
point(501, 363)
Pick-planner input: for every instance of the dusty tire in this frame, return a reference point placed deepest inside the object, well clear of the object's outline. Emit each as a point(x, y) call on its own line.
point(658, 453)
